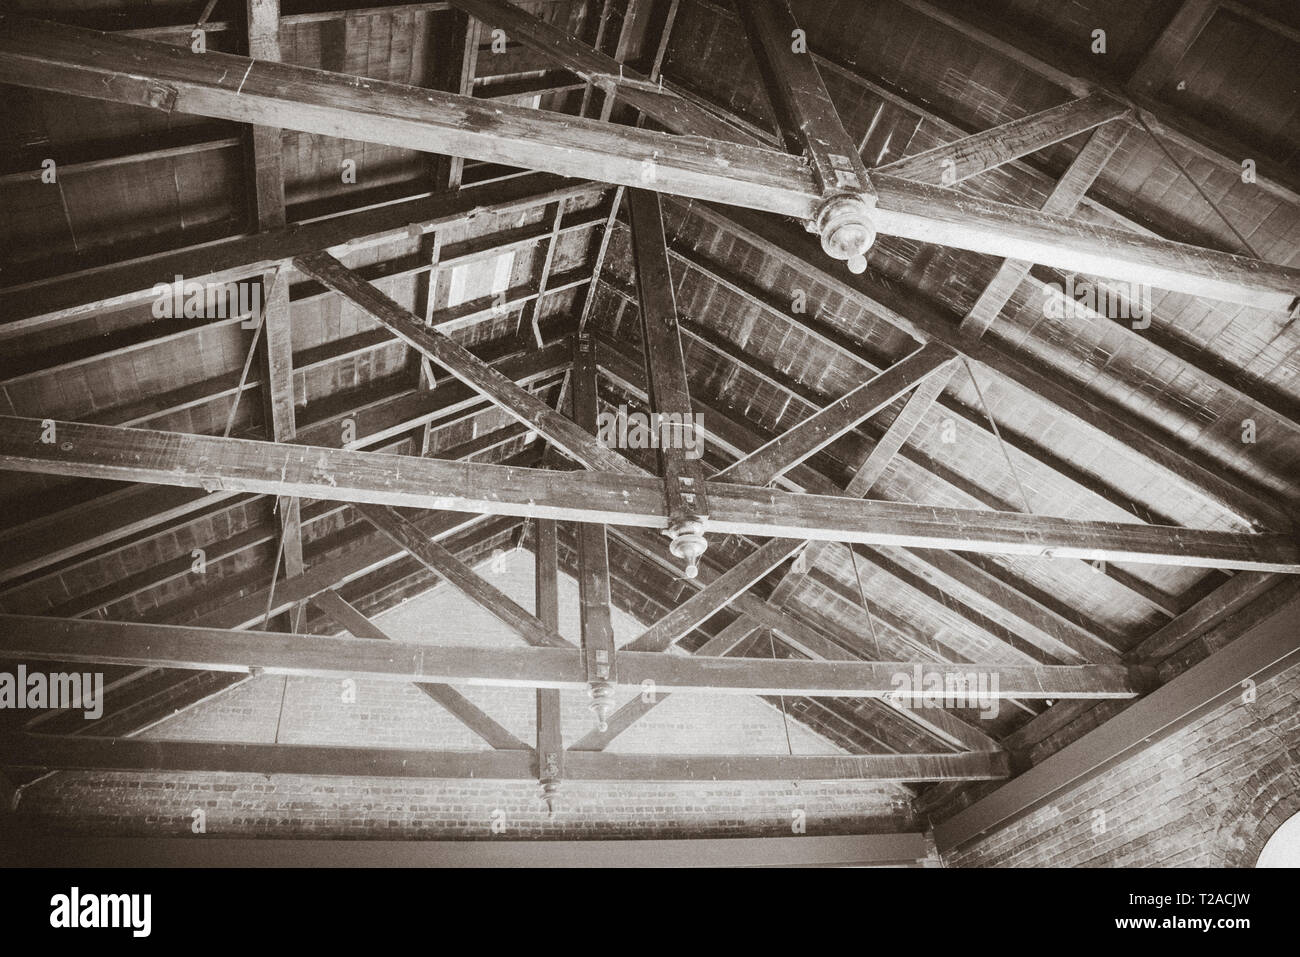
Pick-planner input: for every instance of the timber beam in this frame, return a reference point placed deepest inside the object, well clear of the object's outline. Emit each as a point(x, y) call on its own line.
point(871, 469)
point(955, 162)
point(1064, 198)
point(598, 648)
point(811, 127)
point(1077, 73)
point(686, 500)
point(64, 59)
point(160, 76)
point(211, 462)
point(716, 595)
point(550, 730)
point(278, 405)
point(83, 641)
point(1153, 261)
point(112, 519)
point(134, 754)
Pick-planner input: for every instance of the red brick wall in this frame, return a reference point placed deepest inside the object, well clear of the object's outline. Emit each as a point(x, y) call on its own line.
point(1210, 795)
point(386, 714)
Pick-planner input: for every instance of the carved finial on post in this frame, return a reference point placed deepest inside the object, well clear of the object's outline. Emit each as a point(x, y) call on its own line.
point(602, 701)
point(549, 790)
point(688, 543)
point(550, 780)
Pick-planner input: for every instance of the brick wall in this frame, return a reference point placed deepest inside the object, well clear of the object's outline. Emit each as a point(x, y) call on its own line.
point(387, 714)
point(1210, 795)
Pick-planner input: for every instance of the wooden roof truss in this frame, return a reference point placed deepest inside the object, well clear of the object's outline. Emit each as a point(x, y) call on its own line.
point(762, 492)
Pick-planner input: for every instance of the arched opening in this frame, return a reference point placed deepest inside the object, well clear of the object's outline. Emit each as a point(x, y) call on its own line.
point(1283, 848)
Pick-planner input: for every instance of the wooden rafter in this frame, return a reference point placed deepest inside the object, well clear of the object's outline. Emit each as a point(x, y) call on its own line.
point(1204, 478)
point(631, 36)
point(810, 641)
point(856, 354)
point(641, 705)
point(928, 214)
point(533, 310)
point(268, 171)
point(459, 60)
point(1172, 45)
point(622, 49)
point(600, 69)
point(1226, 614)
point(1121, 428)
point(1046, 637)
point(278, 401)
point(744, 626)
point(715, 596)
point(137, 713)
point(1094, 246)
point(1228, 599)
point(769, 463)
point(729, 585)
point(989, 30)
point(165, 77)
point(276, 349)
